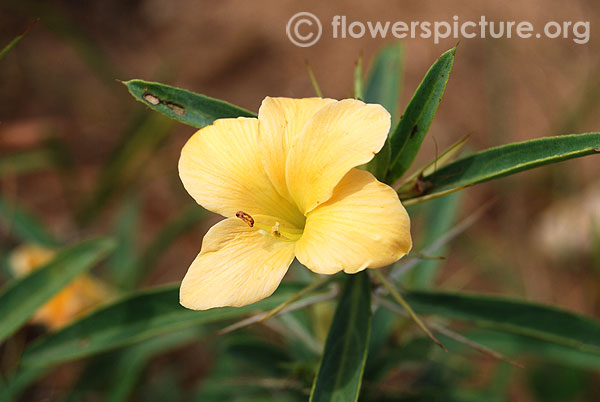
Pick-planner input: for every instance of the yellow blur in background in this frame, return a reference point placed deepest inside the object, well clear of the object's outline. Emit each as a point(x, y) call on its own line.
point(75, 300)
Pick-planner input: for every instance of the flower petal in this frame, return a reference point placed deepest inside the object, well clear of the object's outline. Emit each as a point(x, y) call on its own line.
point(280, 121)
point(340, 136)
point(221, 168)
point(237, 266)
point(363, 225)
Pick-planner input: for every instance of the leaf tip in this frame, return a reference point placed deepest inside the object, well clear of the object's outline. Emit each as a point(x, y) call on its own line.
point(31, 25)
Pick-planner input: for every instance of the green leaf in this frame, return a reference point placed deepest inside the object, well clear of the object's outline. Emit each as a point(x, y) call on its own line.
point(341, 369)
point(358, 79)
point(416, 350)
point(521, 346)
point(184, 106)
point(26, 162)
point(380, 163)
point(130, 364)
point(24, 225)
point(20, 299)
point(506, 160)
point(16, 40)
point(384, 86)
point(515, 316)
point(440, 217)
point(18, 382)
point(382, 324)
point(418, 115)
point(137, 317)
point(256, 355)
point(557, 383)
point(313, 80)
point(126, 232)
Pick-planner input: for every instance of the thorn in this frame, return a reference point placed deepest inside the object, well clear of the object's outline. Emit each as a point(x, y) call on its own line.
point(398, 297)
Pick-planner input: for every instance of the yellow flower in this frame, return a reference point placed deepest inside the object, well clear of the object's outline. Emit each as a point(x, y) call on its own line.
point(287, 185)
point(74, 300)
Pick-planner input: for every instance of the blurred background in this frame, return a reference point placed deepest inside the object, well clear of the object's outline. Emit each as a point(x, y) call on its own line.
point(82, 155)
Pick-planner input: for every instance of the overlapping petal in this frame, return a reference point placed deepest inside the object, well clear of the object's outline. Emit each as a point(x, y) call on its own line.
point(339, 136)
point(363, 225)
point(221, 167)
point(280, 121)
point(236, 266)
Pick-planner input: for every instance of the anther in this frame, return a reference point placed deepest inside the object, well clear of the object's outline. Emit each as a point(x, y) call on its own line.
point(275, 230)
point(245, 217)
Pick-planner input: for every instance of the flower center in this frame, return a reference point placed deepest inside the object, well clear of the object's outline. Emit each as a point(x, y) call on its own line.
point(271, 227)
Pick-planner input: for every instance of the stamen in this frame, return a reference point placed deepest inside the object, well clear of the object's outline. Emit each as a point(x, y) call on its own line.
point(275, 230)
point(245, 217)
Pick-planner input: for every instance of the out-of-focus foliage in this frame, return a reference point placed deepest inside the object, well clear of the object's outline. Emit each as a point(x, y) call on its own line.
point(20, 300)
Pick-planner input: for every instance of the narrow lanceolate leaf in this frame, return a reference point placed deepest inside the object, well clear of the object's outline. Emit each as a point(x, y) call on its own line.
point(140, 316)
point(313, 80)
point(23, 225)
point(126, 234)
point(358, 79)
point(127, 369)
point(413, 126)
point(15, 385)
point(384, 86)
point(341, 370)
point(26, 162)
point(503, 161)
point(521, 346)
point(440, 216)
point(515, 316)
point(16, 40)
point(24, 296)
point(187, 107)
